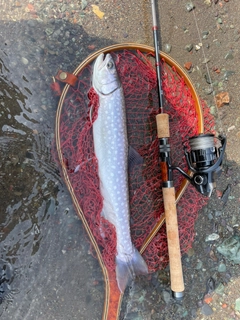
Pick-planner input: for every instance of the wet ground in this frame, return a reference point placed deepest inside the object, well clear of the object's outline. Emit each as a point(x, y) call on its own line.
point(45, 255)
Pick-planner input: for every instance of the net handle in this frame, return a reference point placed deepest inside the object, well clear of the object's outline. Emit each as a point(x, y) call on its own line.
point(113, 297)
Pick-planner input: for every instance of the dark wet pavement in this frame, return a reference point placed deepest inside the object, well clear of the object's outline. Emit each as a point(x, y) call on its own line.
point(45, 255)
point(48, 271)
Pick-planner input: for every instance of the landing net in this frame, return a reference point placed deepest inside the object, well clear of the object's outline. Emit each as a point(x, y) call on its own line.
point(138, 77)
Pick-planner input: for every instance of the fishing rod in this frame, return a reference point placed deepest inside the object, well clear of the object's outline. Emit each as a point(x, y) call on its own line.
point(163, 132)
point(204, 160)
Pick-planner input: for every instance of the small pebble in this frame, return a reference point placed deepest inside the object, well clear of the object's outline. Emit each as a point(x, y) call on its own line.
point(189, 6)
point(228, 74)
point(24, 61)
point(231, 129)
point(206, 310)
point(218, 213)
point(230, 229)
point(222, 267)
point(49, 31)
point(210, 216)
point(84, 4)
point(210, 285)
point(166, 296)
point(226, 194)
point(208, 90)
point(206, 60)
point(213, 110)
point(167, 48)
point(229, 55)
point(207, 78)
point(189, 47)
point(220, 289)
point(212, 237)
point(205, 33)
point(230, 248)
point(199, 265)
point(190, 252)
point(237, 304)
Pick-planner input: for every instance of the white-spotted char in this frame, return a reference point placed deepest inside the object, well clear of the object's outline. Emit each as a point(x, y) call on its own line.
point(112, 152)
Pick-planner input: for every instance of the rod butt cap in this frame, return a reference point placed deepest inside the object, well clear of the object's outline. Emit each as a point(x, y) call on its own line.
point(178, 295)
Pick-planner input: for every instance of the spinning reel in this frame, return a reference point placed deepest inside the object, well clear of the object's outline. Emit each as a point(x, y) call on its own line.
point(204, 160)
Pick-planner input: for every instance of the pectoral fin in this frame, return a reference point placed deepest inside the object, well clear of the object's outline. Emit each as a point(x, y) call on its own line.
point(134, 158)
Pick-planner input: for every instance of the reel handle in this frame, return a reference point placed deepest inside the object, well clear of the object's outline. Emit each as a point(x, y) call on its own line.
point(169, 199)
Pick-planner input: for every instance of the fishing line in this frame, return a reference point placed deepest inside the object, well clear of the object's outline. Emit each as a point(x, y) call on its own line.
point(201, 142)
point(207, 68)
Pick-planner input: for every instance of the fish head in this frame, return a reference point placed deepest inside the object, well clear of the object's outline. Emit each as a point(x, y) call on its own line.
point(105, 77)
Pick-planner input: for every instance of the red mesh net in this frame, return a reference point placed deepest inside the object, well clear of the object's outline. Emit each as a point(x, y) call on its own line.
point(138, 78)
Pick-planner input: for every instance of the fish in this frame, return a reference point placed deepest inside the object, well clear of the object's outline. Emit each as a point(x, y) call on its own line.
point(112, 151)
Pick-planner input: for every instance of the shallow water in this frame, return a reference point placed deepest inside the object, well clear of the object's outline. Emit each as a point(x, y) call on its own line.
point(44, 260)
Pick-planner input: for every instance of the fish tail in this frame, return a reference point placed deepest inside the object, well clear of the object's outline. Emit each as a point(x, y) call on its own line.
point(127, 270)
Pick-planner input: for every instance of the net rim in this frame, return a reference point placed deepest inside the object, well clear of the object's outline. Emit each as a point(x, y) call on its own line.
point(112, 298)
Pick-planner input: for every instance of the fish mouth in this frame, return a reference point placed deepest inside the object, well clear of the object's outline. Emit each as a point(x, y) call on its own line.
point(102, 60)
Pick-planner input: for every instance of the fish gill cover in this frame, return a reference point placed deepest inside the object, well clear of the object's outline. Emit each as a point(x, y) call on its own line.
point(138, 78)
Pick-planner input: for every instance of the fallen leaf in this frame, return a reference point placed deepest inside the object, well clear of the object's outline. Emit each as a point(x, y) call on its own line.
point(188, 65)
point(30, 8)
point(222, 98)
point(216, 69)
point(91, 47)
point(18, 4)
point(212, 255)
point(97, 11)
point(219, 193)
point(208, 299)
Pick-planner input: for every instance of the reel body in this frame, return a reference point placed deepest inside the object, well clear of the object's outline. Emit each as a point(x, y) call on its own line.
point(204, 160)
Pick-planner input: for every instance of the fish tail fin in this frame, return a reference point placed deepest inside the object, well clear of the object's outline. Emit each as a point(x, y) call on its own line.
point(128, 269)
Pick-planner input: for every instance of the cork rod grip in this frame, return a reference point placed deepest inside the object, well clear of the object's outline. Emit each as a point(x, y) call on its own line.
point(162, 120)
point(176, 274)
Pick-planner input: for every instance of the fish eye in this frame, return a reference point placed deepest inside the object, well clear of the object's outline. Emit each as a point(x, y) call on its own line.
point(110, 65)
